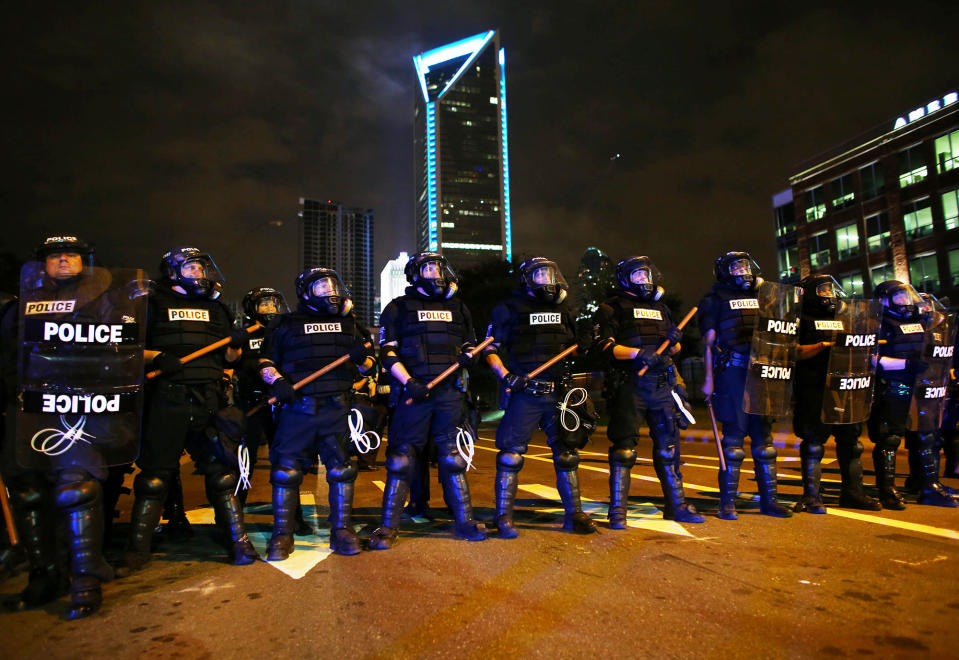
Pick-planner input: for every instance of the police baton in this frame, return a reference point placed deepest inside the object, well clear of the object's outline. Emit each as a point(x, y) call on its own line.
point(309, 379)
point(665, 344)
point(453, 367)
point(550, 362)
point(8, 514)
point(719, 444)
point(206, 349)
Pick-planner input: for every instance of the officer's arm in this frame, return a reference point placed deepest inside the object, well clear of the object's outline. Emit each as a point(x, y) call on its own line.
point(807, 351)
point(392, 362)
point(605, 333)
point(498, 327)
point(492, 359)
point(887, 363)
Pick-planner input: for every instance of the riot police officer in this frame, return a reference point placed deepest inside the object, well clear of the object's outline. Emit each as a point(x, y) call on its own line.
point(628, 328)
point(185, 315)
point(900, 361)
point(313, 420)
point(727, 320)
point(530, 327)
point(421, 333)
point(821, 299)
point(72, 484)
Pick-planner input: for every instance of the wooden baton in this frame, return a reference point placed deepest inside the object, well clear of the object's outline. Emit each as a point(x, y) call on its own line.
point(665, 344)
point(453, 367)
point(203, 351)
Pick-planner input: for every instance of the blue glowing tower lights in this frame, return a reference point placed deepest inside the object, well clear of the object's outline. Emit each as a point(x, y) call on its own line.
point(469, 49)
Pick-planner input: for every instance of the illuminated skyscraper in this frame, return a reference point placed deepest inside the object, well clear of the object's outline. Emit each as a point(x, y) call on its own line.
point(462, 159)
point(339, 237)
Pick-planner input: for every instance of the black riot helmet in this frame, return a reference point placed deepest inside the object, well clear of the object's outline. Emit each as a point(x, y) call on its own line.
point(899, 300)
point(65, 244)
point(322, 290)
point(432, 273)
point(737, 270)
point(192, 271)
point(543, 280)
point(932, 311)
point(72, 256)
point(638, 276)
point(264, 304)
point(821, 294)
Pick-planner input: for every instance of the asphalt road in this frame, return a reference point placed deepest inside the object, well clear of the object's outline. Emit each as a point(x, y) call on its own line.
point(843, 584)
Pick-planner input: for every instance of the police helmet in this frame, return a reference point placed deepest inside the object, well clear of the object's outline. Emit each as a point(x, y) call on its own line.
point(322, 290)
point(65, 244)
point(264, 304)
point(821, 293)
point(193, 271)
point(639, 277)
point(543, 280)
point(932, 311)
point(431, 272)
point(737, 270)
point(899, 300)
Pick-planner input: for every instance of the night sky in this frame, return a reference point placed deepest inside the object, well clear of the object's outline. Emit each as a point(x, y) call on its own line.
point(144, 125)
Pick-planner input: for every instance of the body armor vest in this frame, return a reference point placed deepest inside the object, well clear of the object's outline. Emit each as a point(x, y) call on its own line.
point(813, 371)
point(736, 315)
point(537, 332)
point(305, 343)
point(430, 334)
point(640, 324)
point(249, 383)
point(904, 339)
point(180, 325)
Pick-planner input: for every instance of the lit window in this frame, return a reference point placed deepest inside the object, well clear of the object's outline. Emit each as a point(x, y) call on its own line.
point(847, 241)
point(912, 166)
point(950, 208)
point(851, 283)
point(818, 250)
point(924, 273)
point(843, 192)
point(917, 217)
point(447, 225)
point(493, 100)
point(785, 220)
point(880, 274)
point(947, 152)
point(815, 205)
point(872, 181)
point(954, 266)
point(877, 232)
point(789, 263)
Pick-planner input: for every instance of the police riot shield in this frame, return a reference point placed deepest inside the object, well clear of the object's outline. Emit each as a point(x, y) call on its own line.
point(929, 390)
point(773, 354)
point(80, 368)
point(847, 397)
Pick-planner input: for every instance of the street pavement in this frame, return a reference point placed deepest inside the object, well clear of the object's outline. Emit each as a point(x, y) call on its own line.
point(845, 584)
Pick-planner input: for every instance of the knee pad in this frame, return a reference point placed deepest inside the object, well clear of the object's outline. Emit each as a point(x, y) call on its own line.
point(342, 473)
point(285, 476)
point(567, 460)
point(665, 452)
point(150, 486)
point(221, 482)
point(510, 461)
point(764, 453)
point(812, 449)
point(74, 494)
point(734, 453)
point(399, 462)
point(926, 441)
point(622, 456)
point(452, 463)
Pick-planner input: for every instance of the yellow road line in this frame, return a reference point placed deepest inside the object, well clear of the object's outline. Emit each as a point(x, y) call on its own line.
point(899, 524)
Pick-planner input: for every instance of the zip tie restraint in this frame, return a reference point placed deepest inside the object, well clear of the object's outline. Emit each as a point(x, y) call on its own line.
point(364, 441)
point(565, 405)
point(464, 446)
point(243, 460)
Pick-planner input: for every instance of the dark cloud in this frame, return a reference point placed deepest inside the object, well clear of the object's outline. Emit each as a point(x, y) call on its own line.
point(142, 125)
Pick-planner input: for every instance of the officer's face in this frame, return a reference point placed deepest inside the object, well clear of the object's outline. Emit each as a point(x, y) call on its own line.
point(267, 306)
point(544, 276)
point(739, 268)
point(640, 276)
point(431, 270)
point(903, 298)
point(64, 265)
point(828, 290)
point(323, 287)
point(193, 270)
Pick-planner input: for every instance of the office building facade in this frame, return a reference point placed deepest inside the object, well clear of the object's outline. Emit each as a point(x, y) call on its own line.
point(339, 237)
point(880, 206)
point(461, 151)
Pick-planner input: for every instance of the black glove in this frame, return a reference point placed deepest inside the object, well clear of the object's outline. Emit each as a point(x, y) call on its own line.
point(464, 359)
point(674, 334)
point(168, 363)
point(359, 353)
point(417, 390)
point(649, 358)
point(238, 338)
point(283, 390)
point(515, 382)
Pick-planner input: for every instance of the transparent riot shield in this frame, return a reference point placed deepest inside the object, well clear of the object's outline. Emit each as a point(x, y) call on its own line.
point(769, 384)
point(929, 390)
point(80, 368)
point(850, 376)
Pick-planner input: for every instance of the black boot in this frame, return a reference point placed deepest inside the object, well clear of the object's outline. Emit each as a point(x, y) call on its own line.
point(852, 495)
point(457, 494)
point(932, 492)
point(394, 497)
point(177, 527)
point(226, 508)
point(950, 447)
point(913, 482)
point(810, 456)
point(83, 502)
point(149, 495)
point(285, 503)
point(620, 463)
point(34, 522)
point(506, 483)
point(343, 538)
point(300, 526)
point(672, 487)
point(574, 518)
point(729, 483)
point(768, 492)
point(885, 464)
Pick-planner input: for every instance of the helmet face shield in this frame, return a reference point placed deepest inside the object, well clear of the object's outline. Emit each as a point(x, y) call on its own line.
point(326, 287)
point(322, 290)
point(830, 290)
point(737, 270)
point(192, 271)
point(63, 265)
point(543, 280)
point(431, 273)
point(740, 267)
point(903, 302)
point(641, 276)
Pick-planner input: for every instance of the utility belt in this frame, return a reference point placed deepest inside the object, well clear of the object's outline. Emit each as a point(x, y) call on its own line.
point(732, 360)
point(209, 395)
point(310, 405)
point(537, 387)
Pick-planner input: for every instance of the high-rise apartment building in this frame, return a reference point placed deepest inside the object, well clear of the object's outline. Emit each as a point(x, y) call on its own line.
point(393, 279)
point(462, 159)
point(339, 237)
